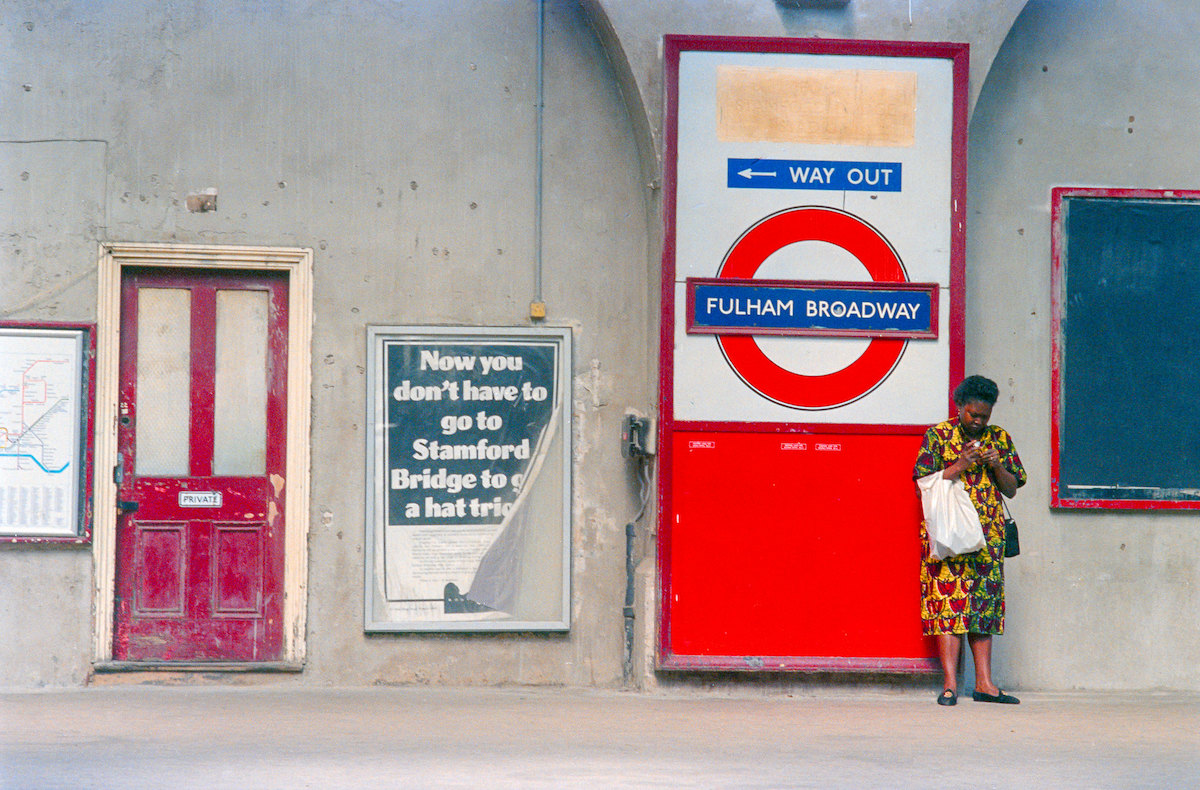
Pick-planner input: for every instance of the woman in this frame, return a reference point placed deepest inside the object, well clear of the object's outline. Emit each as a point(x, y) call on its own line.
point(965, 594)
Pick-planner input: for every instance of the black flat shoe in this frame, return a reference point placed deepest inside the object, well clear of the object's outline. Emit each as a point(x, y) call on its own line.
point(1002, 698)
point(948, 697)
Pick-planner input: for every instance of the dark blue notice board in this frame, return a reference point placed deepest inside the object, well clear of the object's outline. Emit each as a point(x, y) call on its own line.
point(1127, 349)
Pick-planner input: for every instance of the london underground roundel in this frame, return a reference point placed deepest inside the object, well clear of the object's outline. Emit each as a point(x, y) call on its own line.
point(851, 233)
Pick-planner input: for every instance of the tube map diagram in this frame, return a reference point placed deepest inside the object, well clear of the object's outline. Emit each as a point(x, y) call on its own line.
point(39, 432)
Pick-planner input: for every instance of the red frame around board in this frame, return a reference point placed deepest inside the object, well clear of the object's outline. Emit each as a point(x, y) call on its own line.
point(1058, 310)
point(742, 588)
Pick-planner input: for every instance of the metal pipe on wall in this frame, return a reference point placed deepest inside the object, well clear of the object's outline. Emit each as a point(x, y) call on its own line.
point(537, 308)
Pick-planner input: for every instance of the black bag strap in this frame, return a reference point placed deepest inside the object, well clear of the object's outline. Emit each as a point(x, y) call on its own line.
point(1004, 505)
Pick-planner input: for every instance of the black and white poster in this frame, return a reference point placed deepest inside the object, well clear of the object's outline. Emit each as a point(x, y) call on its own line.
point(469, 516)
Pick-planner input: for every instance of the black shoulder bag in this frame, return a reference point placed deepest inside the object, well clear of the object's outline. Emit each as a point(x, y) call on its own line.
point(1012, 538)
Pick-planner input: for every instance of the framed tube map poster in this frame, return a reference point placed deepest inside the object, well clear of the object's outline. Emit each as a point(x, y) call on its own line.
point(468, 479)
point(45, 432)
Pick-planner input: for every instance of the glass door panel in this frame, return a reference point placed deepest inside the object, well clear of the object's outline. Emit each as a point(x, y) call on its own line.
point(164, 364)
point(240, 398)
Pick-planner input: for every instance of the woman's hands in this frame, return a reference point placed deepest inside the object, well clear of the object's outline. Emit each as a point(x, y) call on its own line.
point(971, 454)
point(989, 456)
point(974, 453)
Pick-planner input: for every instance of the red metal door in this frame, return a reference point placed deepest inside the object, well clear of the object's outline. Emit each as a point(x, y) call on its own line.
point(201, 435)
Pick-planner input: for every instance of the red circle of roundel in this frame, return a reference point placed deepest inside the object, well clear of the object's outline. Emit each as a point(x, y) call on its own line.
point(812, 223)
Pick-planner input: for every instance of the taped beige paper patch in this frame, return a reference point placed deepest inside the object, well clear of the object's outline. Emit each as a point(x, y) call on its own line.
point(821, 106)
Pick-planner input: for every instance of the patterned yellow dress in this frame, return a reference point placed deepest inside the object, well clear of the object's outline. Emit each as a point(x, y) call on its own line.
point(965, 594)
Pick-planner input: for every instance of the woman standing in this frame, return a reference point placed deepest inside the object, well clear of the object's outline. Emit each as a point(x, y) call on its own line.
point(965, 594)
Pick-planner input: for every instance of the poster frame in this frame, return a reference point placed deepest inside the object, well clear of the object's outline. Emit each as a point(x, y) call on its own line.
point(375, 481)
point(82, 456)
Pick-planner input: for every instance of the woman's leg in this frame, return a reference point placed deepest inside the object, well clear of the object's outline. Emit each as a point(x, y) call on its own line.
point(949, 647)
point(981, 652)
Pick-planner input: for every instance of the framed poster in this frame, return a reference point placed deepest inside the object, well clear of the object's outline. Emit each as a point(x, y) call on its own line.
point(468, 479)
point(46, 372)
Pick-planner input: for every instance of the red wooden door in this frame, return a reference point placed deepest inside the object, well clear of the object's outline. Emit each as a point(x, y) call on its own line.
point(201, 447)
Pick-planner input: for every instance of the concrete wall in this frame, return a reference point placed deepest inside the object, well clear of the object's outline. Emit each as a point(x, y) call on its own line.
point(1081, 94)
point(397, 140)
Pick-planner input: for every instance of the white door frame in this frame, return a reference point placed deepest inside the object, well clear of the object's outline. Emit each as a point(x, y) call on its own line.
point(297, 262)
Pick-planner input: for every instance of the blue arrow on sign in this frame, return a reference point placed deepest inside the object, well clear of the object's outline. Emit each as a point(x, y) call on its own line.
point(813, 174)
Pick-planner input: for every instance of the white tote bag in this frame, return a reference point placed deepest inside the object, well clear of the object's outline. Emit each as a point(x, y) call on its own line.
point(950, 519)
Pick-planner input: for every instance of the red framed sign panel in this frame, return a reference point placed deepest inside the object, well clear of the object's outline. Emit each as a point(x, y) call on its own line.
point(788, 518)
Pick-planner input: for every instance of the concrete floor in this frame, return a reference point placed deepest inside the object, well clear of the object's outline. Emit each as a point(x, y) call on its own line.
point(290, 737)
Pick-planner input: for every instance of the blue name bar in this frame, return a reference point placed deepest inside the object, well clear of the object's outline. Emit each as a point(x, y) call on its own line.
point(839, 309)
point(813, 174)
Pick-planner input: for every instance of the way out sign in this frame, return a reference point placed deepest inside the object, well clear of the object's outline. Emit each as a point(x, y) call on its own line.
point(807, 174)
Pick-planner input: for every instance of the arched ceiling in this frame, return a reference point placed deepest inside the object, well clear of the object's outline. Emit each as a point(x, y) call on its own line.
point(632, 33)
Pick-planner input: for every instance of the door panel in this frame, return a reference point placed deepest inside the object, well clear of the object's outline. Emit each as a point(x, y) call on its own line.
point(163, 380)
point(160, 569)
point(239, 391)
point(237, 568)
point(201, 440)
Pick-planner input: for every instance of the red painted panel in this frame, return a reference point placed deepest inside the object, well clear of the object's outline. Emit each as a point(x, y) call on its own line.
point(794, 545)
point(160, 553)
point(237, 568)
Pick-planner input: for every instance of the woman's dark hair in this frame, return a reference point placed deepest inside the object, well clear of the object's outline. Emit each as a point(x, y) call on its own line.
point(976, 388)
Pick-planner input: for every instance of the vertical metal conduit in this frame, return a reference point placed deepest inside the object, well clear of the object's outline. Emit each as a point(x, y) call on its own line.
point(537, 211)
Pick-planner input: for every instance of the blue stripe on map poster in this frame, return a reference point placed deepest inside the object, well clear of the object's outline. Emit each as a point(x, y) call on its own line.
point(813, 174)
